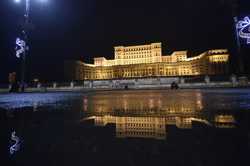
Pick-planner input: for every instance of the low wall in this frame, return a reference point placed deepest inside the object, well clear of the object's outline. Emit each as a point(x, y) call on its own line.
point(140, 86)
point(130, 83)
point(143, 83)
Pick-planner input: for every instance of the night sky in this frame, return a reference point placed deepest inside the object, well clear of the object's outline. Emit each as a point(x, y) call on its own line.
point(84, 29)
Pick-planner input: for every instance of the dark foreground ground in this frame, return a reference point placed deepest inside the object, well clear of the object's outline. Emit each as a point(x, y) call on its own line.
point(53, 133)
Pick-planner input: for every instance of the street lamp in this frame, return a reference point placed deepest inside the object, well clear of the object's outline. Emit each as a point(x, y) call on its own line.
point(21, 42)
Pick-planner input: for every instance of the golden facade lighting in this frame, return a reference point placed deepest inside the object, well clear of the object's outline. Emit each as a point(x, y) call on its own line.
point(148, 61)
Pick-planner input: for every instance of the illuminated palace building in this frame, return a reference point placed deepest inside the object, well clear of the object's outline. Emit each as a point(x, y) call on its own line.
point(148, 61)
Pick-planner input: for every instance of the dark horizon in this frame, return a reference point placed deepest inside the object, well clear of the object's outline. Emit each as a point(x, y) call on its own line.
point(84, 29)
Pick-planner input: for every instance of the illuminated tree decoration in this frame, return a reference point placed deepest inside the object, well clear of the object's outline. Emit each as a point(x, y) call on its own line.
point(14, 148)
point(20, 48)
point(243, 27)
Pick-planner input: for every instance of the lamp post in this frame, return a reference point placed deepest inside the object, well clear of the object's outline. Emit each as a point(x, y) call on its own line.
point(240, 59)
point(22, 47)
point(235, 12)
point(25, 35)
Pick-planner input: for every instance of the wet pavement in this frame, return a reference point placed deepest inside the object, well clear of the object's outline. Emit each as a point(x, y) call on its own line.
point(144, 127)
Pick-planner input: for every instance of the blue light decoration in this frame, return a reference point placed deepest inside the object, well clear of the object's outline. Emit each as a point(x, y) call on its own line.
point(16, 146)
point(20, 47)
point(243, 29)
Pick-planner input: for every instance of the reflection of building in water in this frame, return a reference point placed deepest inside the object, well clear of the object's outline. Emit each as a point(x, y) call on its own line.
point(145, 127)
point(147, 102)
point(224, 121)
point(183, 122)
point(137, 115)
point(147, 115)
point(155, 126)
point(139, 127)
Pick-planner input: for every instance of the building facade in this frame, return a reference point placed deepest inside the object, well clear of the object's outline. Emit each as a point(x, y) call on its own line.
point(148, 61)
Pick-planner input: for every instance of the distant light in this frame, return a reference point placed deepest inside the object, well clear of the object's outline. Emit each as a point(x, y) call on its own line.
point(36, 80)
point(17, 1)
